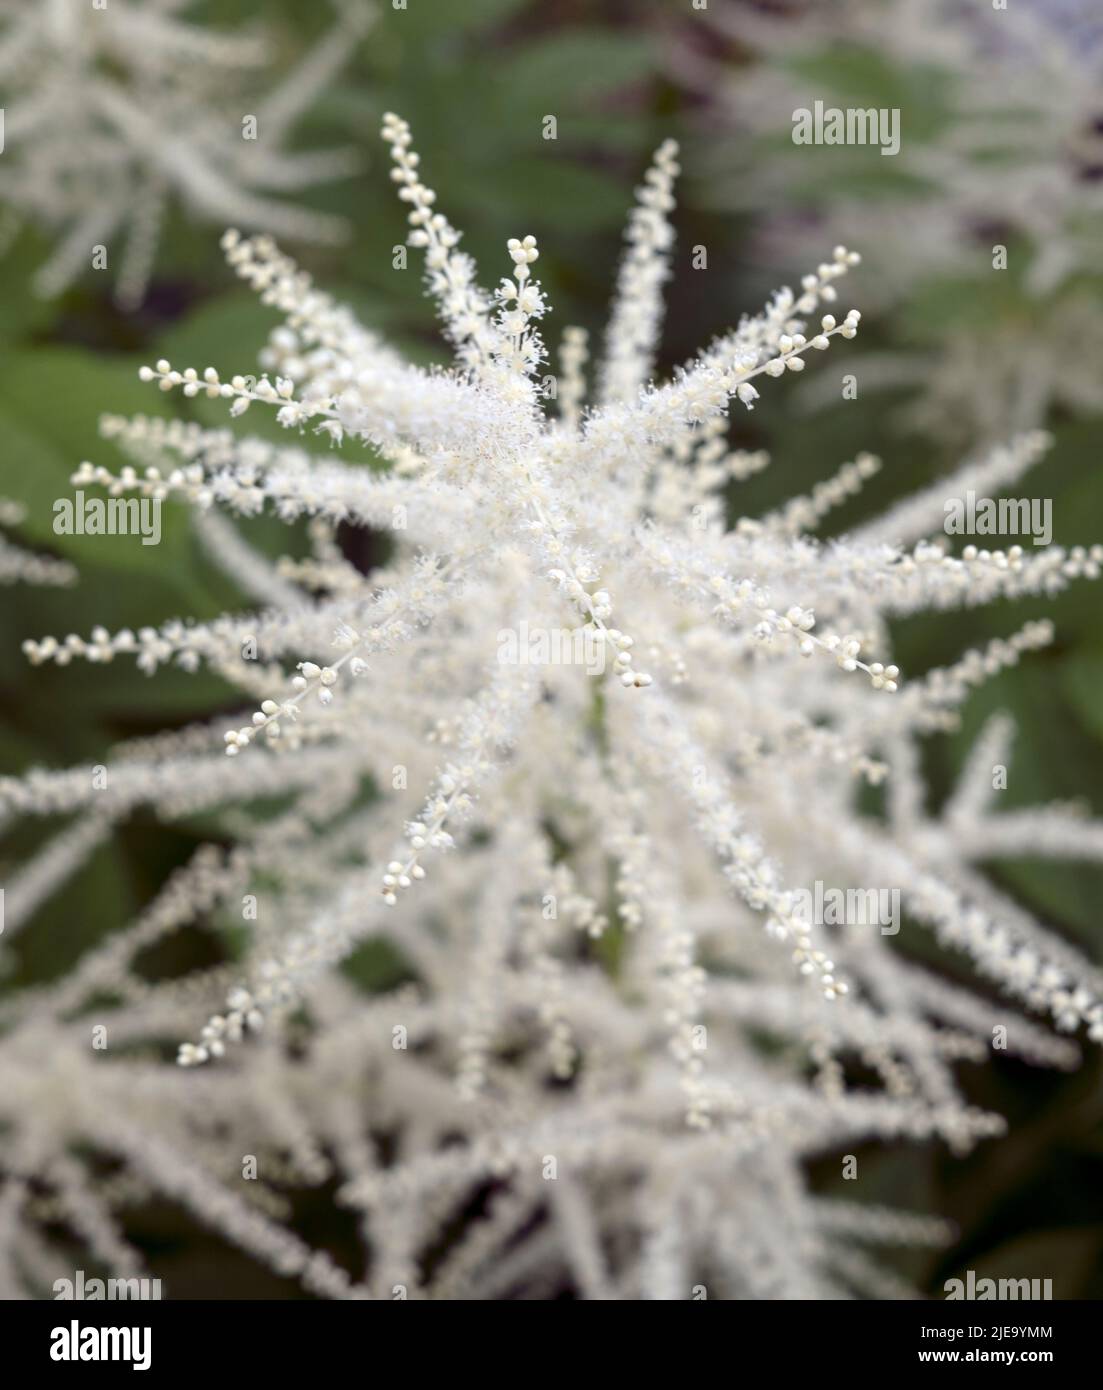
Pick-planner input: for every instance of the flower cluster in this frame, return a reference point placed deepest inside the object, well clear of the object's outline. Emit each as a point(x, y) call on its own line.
point(591, 881)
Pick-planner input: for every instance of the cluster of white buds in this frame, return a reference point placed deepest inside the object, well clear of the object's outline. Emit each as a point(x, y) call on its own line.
point(266, 721)
point(598, 606)
point(791, 347)
point(819, 286)
point(796, 623)
point(811, 962)
point(221, 1029)
point(324, 678)
point(431, 231)
point(883, 677)
point(846, 650)
point(421, 836)
point(312, 678)
point(450, 273)
point(1011, 559)
point(150, 483)
point(522, 303)
point(622, 662)
point(522, 254)
point(240, 390)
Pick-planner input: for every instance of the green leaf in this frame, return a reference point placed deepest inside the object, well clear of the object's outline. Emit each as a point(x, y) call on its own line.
point(21, 310)
point(50, 403)
point(1082, 685)
point(582, 64)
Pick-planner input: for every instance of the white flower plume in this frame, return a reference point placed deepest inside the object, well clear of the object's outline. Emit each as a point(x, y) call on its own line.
point(576, 751)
